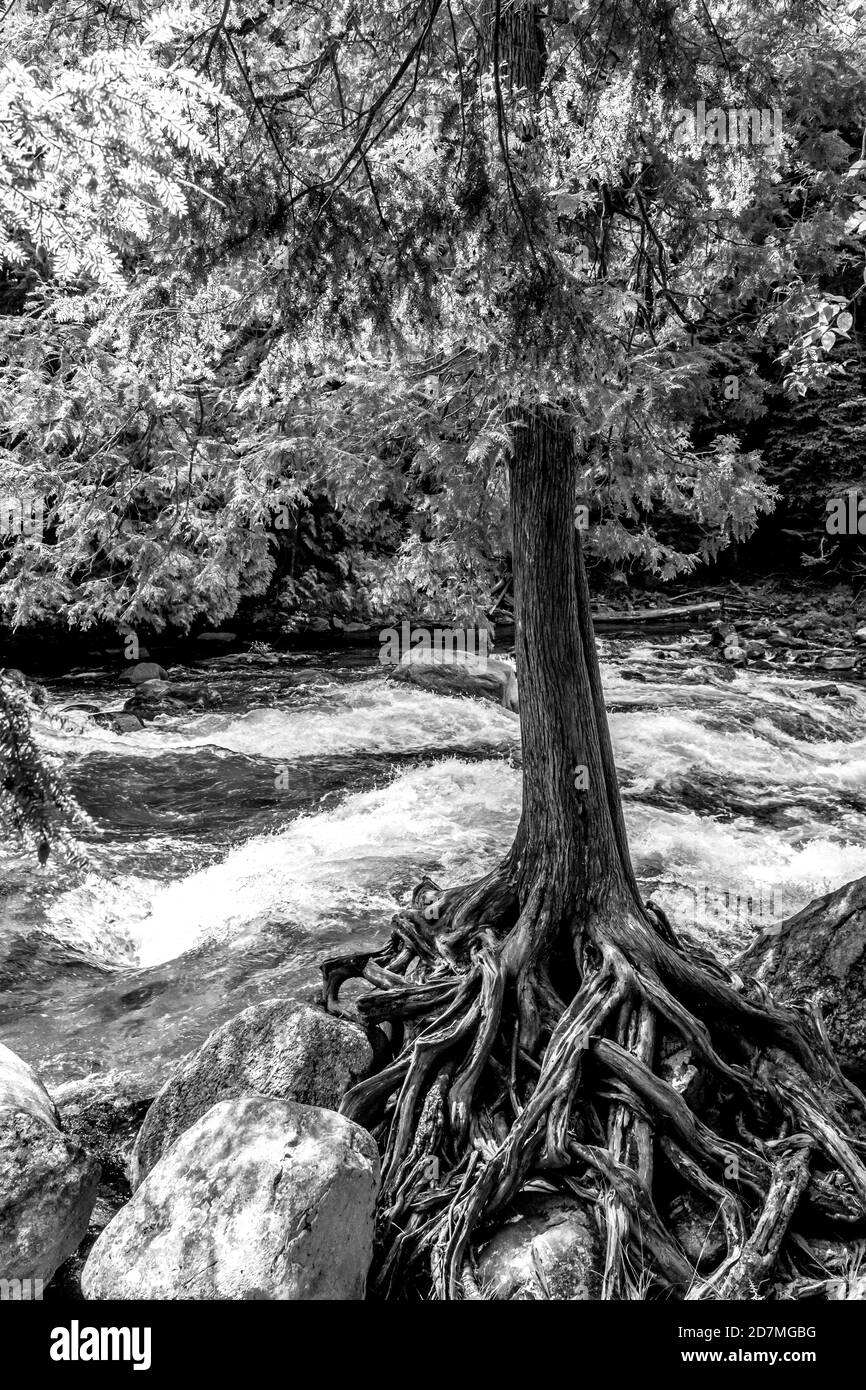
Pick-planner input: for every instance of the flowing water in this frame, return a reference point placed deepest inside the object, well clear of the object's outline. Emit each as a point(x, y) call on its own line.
point(239, 847)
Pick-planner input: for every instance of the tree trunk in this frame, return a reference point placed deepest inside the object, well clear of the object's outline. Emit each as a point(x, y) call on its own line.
point(515, 1019)
point(570, 812)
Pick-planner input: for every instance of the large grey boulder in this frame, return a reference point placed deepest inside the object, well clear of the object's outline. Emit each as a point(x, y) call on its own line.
point(549, 1247)
point(145, 671)
point(819, 956)
point(456, 673)
point(48, 1181)
point(282, 1049)
point(260, 1199)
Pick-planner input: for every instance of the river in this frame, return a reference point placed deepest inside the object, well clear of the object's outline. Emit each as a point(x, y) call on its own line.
point(238, 847)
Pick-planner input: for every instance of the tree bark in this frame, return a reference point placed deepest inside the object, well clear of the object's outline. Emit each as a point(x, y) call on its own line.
point(571, 822)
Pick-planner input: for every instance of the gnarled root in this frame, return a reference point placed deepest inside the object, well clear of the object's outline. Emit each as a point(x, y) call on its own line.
point(488, 1076)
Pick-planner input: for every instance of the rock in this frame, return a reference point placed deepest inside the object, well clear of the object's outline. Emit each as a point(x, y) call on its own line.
point(628, 675)
point(104, 1112)
point(217, 638)
point(734, 654)
point(125, 723)
point(318, 625)
point(459, 673)
point(819, 956)
point(700, 1231)
point(145, 671)
point(260, 1199)
point(860, 634)
point(549, 1248)
point(48, 1182)
point(197, 695)
point(723, 634)
point(279, 1048)
point(838, 663)
point(21, 1089)
point(145, 709)
point(152, 689)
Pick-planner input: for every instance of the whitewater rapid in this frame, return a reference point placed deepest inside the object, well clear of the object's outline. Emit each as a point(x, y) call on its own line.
point(245, 840)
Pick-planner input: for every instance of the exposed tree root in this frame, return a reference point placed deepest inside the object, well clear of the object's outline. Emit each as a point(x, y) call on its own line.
point(515, 1038)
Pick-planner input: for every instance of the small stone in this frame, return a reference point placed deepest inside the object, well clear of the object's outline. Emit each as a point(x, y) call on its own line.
point(548, 1248)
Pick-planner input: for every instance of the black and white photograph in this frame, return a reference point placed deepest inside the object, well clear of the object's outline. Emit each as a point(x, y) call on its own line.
point(432, 673)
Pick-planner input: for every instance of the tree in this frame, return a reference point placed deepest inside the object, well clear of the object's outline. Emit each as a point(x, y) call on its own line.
point(36, 806)
point(519, 1017)
point(445, 250)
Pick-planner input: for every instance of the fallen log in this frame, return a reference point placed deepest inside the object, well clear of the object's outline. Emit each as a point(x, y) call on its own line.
point(647, 615)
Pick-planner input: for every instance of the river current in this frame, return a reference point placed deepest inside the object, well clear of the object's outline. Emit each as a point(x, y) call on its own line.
point(237, 848)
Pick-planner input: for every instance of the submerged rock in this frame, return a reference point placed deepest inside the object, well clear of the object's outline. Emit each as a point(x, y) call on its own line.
point(550, 1247)
point(279, 1048)
point(48, 1181)
point(819, 956)
point(260, 1199)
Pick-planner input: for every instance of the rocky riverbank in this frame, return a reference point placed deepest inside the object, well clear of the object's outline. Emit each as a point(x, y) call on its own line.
point(239, 1179)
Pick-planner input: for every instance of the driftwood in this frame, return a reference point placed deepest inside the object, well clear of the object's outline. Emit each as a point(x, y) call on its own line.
point(648, 615)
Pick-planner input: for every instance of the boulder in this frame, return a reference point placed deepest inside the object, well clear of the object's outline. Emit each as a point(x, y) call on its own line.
point(104, 1112)
point(220, 639)
point(281, 1049)
point(259, 1199)
point(550, 1247)
point(123, 723)
point(21, 1089)
point(819, 956)
point(457, 673)
point(145, 671)
point(48, 1181)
